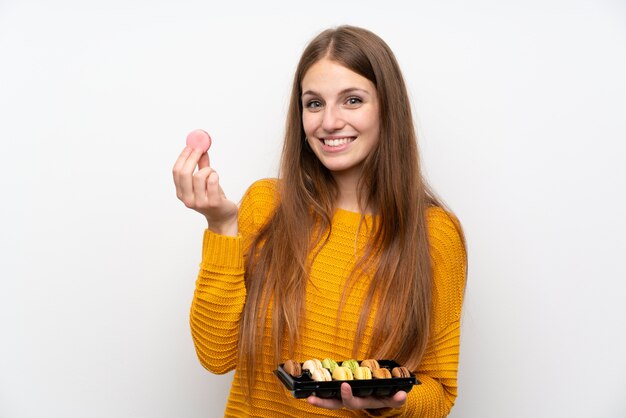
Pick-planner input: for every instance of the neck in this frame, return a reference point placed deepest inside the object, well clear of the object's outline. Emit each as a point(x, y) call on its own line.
point(348, 198)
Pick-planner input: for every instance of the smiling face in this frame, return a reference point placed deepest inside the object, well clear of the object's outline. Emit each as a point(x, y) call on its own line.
point(340, 117)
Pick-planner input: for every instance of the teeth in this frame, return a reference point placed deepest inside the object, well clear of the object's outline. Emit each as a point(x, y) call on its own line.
point(337, 142)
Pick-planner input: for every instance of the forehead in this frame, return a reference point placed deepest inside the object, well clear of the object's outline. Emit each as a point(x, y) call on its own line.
point(327, 76)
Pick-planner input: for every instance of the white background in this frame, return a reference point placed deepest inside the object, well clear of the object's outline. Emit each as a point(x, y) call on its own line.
point(521, 111)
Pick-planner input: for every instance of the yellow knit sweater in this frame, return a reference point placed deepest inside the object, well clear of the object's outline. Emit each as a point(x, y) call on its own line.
point(220, 295)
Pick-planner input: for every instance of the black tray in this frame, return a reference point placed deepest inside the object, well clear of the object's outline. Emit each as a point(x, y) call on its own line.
point(303, 386)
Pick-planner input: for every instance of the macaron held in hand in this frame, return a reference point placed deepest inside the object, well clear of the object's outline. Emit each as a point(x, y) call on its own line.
point(198, 185)
point(199, 140)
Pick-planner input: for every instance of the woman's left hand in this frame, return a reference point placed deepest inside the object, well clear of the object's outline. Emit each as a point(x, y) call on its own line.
point(349, 401)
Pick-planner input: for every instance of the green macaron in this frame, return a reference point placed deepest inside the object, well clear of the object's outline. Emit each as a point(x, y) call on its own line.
point(329, 364)
point(350, 364)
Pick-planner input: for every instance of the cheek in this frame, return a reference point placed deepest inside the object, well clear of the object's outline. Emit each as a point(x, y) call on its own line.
point(372, 123)
point(308, 123)
point(376, 130)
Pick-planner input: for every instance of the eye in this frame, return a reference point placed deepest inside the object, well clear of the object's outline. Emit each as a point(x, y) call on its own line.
point(313, 105)
point(354, 101)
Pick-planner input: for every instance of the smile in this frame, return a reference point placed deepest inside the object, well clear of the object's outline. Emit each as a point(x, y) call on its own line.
point(336, 142)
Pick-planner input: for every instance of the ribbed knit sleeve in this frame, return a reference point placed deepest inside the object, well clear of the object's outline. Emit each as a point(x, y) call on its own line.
point(220, 291)
point(435, 397)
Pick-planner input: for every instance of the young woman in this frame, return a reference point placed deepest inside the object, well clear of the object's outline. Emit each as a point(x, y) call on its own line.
point(347, 254)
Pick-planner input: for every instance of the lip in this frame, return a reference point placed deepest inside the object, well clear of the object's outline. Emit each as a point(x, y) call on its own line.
point(337, 148)
point(337, 137)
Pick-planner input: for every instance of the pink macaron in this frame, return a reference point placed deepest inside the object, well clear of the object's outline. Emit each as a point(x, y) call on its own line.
point(199, 140)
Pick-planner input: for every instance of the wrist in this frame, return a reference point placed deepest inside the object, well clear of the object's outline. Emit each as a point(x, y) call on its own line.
point(228, 228)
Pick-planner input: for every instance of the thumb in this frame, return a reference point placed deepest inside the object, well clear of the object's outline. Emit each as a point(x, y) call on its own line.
point(346, 392)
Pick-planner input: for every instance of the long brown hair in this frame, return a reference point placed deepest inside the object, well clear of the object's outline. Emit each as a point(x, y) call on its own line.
point(391, 185)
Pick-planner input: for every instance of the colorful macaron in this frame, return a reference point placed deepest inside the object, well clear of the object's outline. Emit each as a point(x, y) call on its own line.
point(199, 140)
point(312, 365)
point(371, 364)
point(400, 372)
point(362, 373)
point(321, 375)
point(351, 364)
point(293, 368)
point(381, 373)
point(329, 364)
point(342, 373)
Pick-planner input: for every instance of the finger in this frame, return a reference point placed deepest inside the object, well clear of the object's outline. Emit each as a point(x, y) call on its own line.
point(324, 403)
point(200, 185)
point(346, 394)
point(213, 190)
point(192, 160)
point(352, 402)
point(330, 403)
point(178, 167)
point(398, 399)
point(204, 161)
point(186, 176)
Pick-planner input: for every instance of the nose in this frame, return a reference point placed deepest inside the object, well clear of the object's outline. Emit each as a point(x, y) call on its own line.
point(333, 120)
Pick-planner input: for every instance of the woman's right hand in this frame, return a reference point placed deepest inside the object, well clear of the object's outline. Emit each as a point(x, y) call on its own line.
point(201, 191)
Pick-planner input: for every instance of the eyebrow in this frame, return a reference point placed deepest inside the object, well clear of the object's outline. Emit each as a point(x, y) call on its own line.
point(341, 93)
